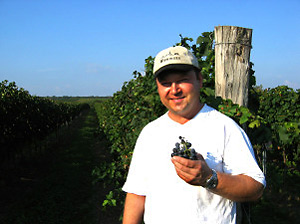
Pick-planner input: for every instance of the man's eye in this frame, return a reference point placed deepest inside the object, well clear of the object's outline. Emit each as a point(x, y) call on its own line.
point(166, 84)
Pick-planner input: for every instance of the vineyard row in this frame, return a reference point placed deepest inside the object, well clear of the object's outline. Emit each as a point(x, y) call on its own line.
point(26, 118)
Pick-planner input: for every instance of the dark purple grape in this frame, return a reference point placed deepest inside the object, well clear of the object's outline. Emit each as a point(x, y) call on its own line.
point(183, 149)
point(175, 150)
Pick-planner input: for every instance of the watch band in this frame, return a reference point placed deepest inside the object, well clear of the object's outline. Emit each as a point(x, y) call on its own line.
point(212, 182)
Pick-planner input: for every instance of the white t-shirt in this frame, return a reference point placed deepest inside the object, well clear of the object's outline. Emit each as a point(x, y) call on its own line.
point(224, 146)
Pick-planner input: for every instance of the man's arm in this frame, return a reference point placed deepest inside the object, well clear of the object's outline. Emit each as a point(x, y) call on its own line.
point(237, 188)
point(133, 209)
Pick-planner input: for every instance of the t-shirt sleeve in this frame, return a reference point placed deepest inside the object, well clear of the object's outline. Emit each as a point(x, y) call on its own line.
point(136, 181)
point(239, 157)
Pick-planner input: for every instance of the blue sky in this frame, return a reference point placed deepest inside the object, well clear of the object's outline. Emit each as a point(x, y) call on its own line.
point(90, 48)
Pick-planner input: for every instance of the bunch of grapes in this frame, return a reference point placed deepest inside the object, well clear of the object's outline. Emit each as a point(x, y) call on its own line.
point(183, 149)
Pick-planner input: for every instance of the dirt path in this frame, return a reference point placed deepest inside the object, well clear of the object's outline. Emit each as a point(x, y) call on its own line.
point(57, 187)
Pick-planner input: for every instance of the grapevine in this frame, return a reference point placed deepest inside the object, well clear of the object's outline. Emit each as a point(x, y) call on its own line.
point(271, 120)
point(27, 119)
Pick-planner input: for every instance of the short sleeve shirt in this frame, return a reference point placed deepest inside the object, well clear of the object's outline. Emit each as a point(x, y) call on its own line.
point(224, 146)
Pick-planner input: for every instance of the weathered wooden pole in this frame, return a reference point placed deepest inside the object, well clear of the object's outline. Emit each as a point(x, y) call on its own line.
point(232, 63)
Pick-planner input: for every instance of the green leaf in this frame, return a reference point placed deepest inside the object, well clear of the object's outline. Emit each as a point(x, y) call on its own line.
point(254, 124)
point(283, 135)
point(105, 202)
point(114, 202)
point(244, 119)
point(208, 91)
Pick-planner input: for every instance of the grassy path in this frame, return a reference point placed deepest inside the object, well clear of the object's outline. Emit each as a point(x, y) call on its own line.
point(57, 188)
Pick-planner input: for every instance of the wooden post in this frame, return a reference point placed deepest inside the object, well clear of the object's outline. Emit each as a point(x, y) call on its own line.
point(232, 63)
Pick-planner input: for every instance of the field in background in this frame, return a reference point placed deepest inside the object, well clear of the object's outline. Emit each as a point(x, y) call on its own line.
point(78, 99)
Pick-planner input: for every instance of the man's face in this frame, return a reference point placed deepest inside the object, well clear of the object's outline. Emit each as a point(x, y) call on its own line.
point(179, 92)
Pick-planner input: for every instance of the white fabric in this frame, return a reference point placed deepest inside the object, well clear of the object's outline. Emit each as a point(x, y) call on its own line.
point(169, 199)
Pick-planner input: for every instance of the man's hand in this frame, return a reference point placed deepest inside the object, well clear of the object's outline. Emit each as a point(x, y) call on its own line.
point(233, 187)
point(194, 172)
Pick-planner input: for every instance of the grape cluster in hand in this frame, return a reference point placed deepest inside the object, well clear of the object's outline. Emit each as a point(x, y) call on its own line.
point(183, 149)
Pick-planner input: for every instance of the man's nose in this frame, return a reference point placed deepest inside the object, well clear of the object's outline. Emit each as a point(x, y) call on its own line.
point(175, 88)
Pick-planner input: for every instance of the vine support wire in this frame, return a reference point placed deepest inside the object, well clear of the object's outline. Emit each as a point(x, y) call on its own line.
point(264, 159)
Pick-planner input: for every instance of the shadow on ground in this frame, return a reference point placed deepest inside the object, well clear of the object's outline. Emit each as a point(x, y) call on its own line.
point(57, 186)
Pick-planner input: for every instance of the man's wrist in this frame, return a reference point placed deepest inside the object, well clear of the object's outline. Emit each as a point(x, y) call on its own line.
point(212, 181)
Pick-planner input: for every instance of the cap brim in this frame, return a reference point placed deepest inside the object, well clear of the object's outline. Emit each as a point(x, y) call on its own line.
point(178, 67)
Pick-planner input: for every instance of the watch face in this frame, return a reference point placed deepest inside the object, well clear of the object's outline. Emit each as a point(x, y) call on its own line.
point(214, 185)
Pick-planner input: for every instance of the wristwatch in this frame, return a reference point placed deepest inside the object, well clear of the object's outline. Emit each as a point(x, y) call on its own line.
point(212, 182)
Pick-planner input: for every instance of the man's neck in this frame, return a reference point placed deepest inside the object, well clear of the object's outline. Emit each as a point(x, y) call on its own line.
point(182, 119)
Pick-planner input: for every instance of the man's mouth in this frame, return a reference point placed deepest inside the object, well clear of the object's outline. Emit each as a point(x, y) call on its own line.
point(177, 99)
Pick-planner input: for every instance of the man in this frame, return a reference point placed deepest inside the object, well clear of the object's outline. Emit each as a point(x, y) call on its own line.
point(161, 189)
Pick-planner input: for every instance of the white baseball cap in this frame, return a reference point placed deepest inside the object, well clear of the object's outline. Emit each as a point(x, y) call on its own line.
point(177, 58)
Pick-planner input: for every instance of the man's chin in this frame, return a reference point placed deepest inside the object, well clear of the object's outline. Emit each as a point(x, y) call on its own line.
point(178, 112)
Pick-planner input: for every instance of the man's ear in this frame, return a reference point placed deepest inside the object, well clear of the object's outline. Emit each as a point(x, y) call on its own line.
point(156, 82)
